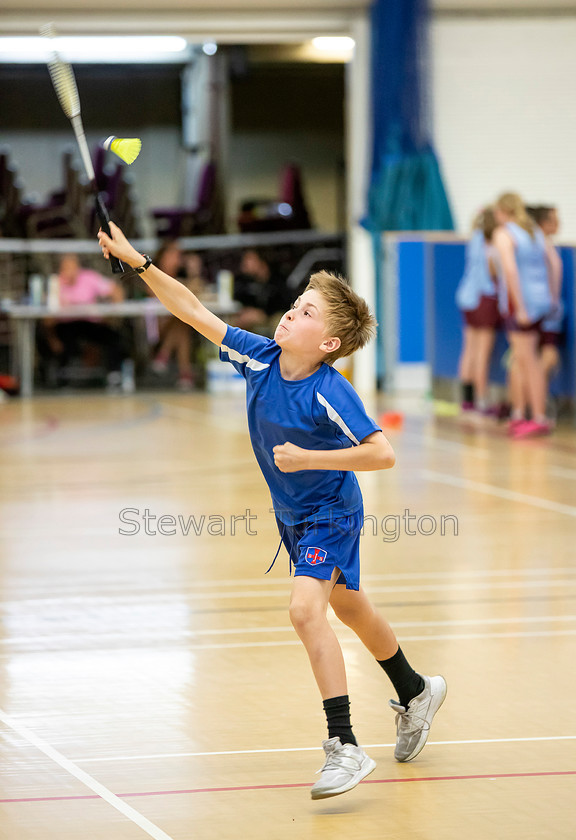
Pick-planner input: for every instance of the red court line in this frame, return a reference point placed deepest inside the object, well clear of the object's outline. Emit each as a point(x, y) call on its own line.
point(49, 425)
point(491, 776)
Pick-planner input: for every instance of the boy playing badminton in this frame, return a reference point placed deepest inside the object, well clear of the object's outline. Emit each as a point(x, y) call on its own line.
point(309, 431)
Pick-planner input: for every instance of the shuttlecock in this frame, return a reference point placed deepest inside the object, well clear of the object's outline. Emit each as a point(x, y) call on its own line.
point(126, 149)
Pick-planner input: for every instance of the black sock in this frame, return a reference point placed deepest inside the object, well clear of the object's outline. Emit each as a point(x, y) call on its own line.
point(407, 682)
point(338, 718)
point(467, 392)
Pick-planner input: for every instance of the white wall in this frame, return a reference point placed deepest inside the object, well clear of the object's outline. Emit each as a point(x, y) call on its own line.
point(504, 116)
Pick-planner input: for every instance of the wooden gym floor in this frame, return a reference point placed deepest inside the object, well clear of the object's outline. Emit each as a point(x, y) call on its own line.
point(150, 683)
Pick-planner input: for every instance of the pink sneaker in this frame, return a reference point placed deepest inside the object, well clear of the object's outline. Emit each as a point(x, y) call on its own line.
point(514, 424)
point(530, 428)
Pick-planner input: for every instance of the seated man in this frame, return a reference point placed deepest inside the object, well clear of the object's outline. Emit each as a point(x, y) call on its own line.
point(261, 292)
point(78, 285)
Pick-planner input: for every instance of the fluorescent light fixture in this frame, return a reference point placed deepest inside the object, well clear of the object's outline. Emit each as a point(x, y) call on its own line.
point(210, 48)
point(334, 44)
point(95, 49)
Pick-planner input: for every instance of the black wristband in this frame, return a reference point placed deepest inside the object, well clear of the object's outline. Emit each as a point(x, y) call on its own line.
point(141, 269)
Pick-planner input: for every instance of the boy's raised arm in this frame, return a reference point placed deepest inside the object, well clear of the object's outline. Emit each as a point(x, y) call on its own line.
point(174, 295)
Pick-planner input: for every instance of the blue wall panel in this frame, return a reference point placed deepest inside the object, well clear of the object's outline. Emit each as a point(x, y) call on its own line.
point(446, 321)
point(412, 319)
point(564, 382)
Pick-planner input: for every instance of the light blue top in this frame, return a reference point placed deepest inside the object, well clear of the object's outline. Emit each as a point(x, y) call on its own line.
point(553, 322)
point(532, 265)
point(476, 281)
point(322, 411)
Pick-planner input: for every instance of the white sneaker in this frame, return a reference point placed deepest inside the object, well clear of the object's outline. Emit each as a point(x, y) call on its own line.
point(413, 723)
point(114, 382)
point(159, 366)
point(345, 766)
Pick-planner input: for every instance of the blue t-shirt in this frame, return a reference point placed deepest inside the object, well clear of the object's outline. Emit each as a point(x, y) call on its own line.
point(322, 411)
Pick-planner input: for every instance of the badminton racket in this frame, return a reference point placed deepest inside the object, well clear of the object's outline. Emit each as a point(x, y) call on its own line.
point(64, 84)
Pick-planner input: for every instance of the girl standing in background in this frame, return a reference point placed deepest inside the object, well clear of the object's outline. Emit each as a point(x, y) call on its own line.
point(477, 299)
point(525, 299)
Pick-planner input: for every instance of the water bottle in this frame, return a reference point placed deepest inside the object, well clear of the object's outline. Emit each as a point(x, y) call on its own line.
point(225, 286)
point(128, 384)
point(53, 292)
point(36, 285)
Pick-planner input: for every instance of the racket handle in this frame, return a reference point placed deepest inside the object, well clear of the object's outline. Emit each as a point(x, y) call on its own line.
point(117, 266)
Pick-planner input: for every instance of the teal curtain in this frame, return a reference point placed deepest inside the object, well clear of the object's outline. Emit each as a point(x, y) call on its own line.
point(406, 190)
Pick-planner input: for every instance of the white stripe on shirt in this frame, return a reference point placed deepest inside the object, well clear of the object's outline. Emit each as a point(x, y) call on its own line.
point(335, 417)
point(238, 357)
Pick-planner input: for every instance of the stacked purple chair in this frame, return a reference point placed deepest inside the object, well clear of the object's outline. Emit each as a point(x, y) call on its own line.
point(66, 213)
point(205, 217)
point(13, 207)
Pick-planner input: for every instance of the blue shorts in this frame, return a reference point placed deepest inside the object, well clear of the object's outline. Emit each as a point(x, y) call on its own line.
point(317, 548)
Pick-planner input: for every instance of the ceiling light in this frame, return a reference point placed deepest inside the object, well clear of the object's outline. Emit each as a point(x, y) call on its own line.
point(94, 49)
point(333, 44)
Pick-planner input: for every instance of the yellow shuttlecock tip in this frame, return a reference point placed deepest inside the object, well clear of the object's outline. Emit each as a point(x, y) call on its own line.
point(127, 149)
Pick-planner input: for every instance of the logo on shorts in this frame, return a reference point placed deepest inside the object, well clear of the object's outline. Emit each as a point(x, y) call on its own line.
point(315, 556)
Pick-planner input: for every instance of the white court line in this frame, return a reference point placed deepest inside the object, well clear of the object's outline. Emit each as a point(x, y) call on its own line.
point(166, 595)
point(464, 622)
point(449, 574)
point(456, 637)
point(157, 635)
point(185, 597)
point(561, 472)
point(432, 587)
point(91, 783)
point(499, 492)
point(191, 597)
point(315, 749)
point(344, 640)
point(452, 574)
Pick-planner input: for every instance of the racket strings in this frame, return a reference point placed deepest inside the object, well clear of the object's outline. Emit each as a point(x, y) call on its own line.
point(65, 87)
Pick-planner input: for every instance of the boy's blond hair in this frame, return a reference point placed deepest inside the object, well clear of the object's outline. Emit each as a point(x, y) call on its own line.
point(347, 315)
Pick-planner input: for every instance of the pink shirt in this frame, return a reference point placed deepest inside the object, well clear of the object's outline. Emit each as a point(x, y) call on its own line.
point(89, 287)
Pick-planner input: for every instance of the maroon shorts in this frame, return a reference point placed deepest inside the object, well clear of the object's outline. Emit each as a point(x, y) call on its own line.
point(512, 325)
point(552, 339)
point(485, 316)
